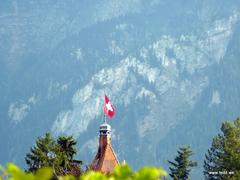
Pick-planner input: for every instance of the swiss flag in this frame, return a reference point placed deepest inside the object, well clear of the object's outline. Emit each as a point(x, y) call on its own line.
point(108, 108)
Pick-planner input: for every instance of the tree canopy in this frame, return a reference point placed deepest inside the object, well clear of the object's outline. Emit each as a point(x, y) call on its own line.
point(222, 160)
point(57, 154)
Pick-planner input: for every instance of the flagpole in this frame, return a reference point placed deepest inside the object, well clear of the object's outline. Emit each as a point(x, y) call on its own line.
point(105, 119)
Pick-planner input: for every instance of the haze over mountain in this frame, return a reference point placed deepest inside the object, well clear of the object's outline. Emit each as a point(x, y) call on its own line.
point(170, 68)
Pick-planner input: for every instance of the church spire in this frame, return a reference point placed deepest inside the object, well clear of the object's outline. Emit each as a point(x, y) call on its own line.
point(105, 159)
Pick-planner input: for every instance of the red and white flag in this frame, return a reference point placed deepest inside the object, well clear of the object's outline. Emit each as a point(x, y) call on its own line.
point(108, 108)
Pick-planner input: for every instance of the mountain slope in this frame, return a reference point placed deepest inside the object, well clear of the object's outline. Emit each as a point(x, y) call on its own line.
point(170, 70)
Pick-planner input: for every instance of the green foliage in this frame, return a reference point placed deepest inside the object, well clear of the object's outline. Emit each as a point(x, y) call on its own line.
point(67, 145)
point(50, 153)
point(222, 160)
point(122, 172)
point(41, 154)
point(182, 166)
point(150, 173)
point(91, 175)
point(67, 151)
point(16, 174)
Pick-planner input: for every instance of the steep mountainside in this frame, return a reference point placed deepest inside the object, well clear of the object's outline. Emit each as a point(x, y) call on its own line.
point(170, 68)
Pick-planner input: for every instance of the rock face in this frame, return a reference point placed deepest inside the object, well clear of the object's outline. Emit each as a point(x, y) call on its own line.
point(170, 68)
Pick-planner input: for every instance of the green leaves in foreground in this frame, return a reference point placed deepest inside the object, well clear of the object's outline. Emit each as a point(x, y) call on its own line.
point(124, 172)
point(12, 172)
point(150, 173)
point(17, 174)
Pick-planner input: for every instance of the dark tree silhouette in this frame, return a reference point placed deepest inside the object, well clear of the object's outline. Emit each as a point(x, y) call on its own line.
point(180, 169)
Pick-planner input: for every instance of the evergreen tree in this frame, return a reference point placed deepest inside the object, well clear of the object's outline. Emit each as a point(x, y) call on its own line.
point(68, 150)
point(67, 145)
point(222, 160)
point(56, 154)
point(42, 154)
point(181, 168)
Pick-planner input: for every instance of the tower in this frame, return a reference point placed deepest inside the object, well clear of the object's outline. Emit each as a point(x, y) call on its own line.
point(105, 159)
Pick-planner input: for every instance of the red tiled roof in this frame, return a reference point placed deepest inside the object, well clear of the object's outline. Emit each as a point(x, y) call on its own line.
point(105, 159)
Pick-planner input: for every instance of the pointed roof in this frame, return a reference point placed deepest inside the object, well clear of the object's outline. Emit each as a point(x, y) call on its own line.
point(105, 159)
